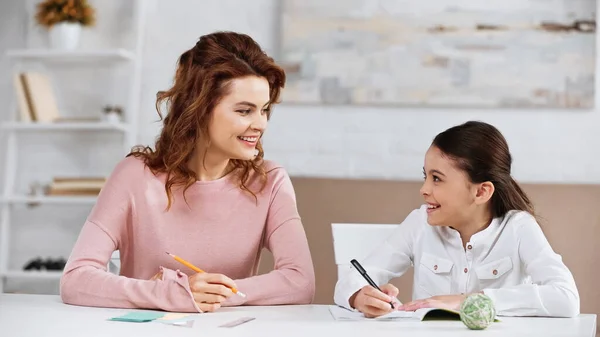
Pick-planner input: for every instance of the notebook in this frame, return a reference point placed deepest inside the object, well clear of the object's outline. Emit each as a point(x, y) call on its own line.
point(426, 314)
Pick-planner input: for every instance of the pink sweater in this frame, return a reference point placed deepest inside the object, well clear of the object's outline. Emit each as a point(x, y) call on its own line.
point(221, 229)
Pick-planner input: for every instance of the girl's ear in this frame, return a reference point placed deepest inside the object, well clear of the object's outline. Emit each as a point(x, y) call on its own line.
point(484, 192)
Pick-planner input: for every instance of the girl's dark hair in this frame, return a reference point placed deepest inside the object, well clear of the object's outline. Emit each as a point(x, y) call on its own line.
point(203, 75)
point(481, 151)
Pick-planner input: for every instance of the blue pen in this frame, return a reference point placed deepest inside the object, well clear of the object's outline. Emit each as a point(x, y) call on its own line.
point(363, 272)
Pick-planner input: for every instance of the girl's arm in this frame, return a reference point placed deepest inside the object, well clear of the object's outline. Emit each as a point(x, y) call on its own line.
point(553, 292)
point(389, 260)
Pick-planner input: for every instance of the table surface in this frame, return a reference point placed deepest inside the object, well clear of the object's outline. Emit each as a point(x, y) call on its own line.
point(46, 315)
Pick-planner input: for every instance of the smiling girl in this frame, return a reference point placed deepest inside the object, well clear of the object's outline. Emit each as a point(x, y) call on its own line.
point(476, 232)
point(203, 193)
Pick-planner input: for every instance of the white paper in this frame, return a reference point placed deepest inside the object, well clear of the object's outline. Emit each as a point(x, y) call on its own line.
point(343, 314)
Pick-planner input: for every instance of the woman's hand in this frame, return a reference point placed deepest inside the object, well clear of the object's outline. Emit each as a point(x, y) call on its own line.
point(372, 302)
point(157, 276)
point(210, 290)
point(451, 302)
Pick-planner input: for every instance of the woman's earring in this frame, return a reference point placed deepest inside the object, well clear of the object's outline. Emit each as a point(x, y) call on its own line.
point(256, 152)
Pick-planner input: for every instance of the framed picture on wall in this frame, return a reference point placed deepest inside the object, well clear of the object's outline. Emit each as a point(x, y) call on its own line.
point(440, 53)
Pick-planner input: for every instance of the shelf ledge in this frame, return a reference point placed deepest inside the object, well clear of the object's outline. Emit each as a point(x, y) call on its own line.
point(33, 274)
point(88, 56)
point(62, 200)
point(64, 126)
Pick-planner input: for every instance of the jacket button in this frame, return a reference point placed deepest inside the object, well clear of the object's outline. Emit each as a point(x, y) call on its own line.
point(435, 267)
point(469, 247)
point(495, 272)
point(466, 270)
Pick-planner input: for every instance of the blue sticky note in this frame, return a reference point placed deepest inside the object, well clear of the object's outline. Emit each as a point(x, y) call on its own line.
point(139, 316)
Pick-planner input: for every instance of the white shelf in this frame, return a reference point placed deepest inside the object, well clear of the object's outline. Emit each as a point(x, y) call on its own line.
point(41, 58)
point(89, 56)
point(34, 274)
point(55, 200)
point(64, 126)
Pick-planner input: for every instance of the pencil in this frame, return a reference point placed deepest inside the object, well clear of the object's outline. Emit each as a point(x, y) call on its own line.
point(198, 270)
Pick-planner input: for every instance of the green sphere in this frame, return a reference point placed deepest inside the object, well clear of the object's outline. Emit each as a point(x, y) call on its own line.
point(477, 311)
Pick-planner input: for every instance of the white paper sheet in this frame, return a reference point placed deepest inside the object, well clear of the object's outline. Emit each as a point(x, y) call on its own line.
point(343, 314)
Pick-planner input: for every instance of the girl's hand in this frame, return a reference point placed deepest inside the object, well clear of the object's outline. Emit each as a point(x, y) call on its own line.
point(372, 302)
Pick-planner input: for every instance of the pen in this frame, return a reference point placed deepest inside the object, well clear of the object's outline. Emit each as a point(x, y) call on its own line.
point(198, 270)
point(363, 272)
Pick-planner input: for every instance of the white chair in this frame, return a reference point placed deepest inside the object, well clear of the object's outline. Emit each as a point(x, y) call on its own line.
point(356, 241)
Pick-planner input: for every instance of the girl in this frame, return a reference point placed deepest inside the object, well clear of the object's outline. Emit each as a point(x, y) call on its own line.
point(204, 193)
point(476, 232)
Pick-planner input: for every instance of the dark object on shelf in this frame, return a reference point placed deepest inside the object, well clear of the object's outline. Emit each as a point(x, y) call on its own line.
point(58, 264)
point(35, 264)
point(116, 109)
point(48, 264)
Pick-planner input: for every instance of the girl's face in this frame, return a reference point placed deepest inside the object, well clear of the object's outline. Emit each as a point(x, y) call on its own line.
point(240, 118)
point(450, 196)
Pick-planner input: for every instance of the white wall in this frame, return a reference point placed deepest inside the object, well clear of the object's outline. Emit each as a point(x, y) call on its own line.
point(357, 142)
point(333, 141)
point(342, 141)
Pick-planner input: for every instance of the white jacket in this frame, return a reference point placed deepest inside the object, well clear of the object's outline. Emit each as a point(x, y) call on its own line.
point(511, 261)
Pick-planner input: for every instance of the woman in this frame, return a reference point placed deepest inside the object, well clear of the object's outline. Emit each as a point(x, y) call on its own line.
point(475, 233)
point(204, 194)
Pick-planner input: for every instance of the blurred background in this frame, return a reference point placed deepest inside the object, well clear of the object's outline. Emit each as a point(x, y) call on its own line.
point(370, 83)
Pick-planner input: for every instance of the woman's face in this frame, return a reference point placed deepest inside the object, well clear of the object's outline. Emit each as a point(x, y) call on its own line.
point(240, 118)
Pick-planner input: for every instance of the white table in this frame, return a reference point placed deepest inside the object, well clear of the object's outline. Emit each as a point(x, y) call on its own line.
point(46, 315)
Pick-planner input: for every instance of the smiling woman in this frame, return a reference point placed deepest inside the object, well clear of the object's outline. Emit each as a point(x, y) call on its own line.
point(204, 193)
